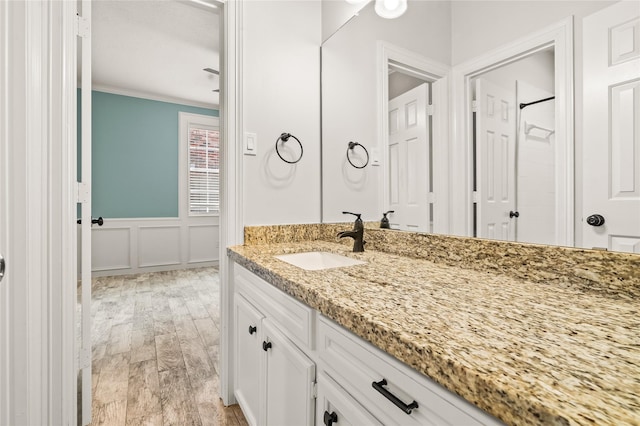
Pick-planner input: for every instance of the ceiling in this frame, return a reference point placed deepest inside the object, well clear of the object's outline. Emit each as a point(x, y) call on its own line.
point(156, 49)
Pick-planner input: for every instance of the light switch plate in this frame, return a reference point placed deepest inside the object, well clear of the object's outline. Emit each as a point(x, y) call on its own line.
point(375, 157)
point(250, 143)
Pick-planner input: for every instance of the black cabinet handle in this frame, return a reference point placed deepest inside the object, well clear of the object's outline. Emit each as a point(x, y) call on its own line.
point(513, 214)
point(266, 346)
point(391, 397)
point(252, 329)
point(330, 418)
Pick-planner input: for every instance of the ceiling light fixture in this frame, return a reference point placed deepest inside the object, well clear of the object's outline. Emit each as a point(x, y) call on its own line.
point(390, 9)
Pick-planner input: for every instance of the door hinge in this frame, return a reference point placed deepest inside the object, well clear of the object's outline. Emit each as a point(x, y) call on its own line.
point(83, 194)
point(314, 389)
point(83, 28)
point(84, 358)
point(430, 109)
point(474, 106)
point(431, 197)
point(474, 196)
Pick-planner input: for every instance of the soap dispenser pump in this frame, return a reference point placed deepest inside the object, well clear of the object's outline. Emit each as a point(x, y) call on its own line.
point(384, 222)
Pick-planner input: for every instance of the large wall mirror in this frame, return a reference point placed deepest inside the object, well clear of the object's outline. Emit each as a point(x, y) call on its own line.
point(467, 114)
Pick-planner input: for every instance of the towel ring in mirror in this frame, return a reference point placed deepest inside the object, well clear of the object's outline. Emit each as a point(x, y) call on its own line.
point(351, 147)
point(284, 137)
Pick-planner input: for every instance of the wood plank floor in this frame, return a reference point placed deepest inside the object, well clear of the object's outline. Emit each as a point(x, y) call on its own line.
point(155, 350)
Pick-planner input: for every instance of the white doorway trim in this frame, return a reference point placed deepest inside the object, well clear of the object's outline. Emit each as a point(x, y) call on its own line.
point(436, 73)
point(231, 201)
point(560, 37)
point(38, 61)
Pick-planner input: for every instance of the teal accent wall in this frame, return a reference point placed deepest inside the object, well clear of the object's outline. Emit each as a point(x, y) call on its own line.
point(135, 156)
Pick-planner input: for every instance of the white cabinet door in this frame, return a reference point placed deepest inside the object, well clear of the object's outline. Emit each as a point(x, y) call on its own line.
point(611, 182)
point(249, 358)
point(336, 406)
point(289, 376)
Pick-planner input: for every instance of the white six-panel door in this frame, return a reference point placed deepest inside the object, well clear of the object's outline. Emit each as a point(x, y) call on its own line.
point(495, 161)
point(612, 127)
point(409, 160)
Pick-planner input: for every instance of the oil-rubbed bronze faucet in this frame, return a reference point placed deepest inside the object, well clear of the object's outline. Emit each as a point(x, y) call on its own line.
point(357, 234)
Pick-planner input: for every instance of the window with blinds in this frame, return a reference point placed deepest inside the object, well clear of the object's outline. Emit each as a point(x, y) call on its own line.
point(204, 171)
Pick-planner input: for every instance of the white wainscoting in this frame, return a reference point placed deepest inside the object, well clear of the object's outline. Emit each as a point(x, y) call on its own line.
point(132, 246)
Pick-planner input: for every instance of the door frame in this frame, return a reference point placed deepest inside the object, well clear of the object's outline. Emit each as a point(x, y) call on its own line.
point(438, 75)
point(38, 60)
point(231, 182)
point(560, 37)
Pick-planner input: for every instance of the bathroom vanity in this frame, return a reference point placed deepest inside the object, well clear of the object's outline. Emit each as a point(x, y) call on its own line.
point(410, 338)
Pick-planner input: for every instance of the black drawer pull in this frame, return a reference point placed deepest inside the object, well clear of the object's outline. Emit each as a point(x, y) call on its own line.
point(391, 397)
point(252, 329)
point(330, 418)
point(266, 346)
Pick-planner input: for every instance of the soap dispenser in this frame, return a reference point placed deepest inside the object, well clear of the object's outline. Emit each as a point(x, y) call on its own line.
point(384, 222)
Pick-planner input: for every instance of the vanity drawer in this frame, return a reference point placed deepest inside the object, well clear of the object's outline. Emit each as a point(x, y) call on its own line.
point(356, 365)
point(337, 405)
point(293, 317)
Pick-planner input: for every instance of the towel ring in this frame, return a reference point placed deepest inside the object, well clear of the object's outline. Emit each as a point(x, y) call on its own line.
point(351, 147)
point(285, 137)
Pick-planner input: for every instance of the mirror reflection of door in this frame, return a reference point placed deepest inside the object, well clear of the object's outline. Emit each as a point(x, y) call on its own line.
point(409, 150)
point(515, 152)
point(611, 139)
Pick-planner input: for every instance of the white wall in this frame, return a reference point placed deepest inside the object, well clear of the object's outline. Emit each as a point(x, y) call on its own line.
point(536, 168)
point(349, 103)
point(536, 69)
point(400, 83)
point(335, 13)
point(281, 93)
point(480, 26)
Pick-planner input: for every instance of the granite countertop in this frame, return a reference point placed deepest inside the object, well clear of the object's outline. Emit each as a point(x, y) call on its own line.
point(524, 351)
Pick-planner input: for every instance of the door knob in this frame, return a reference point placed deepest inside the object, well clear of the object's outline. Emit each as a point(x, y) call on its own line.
point(330, 418)
point(513, 214)
point(1, 267)
point(99, 221)
point(595, 220)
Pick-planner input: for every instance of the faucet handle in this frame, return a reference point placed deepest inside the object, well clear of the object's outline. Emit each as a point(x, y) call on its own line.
point(357, 215)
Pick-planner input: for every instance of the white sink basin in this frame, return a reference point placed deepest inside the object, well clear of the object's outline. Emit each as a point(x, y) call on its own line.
point(317, 260)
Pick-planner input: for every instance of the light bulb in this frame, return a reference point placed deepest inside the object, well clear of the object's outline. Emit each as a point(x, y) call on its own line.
point(391, 4)
point(390, 9)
